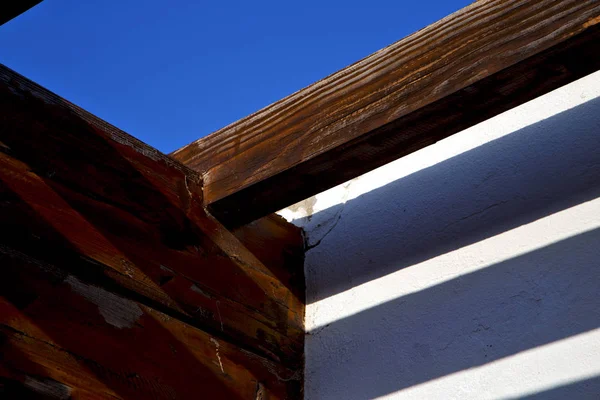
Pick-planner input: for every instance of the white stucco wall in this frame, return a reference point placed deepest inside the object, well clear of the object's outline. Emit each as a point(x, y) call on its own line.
point(467, 270)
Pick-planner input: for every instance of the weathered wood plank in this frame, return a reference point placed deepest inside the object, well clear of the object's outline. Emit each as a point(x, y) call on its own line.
point(485, 59)
point(10, 9)
point(280, 247)
point(111, 212)
point(56, 328)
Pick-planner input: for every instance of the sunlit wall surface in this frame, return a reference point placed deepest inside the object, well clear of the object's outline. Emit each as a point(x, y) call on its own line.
point(467, 270)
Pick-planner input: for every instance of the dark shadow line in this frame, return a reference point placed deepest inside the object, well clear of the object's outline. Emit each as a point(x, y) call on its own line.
point(546, 167)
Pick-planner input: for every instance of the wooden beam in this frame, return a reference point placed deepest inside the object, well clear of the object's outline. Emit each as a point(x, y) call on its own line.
point(84, 338)
point(483, 60)
point(113, 277)
point(10, 9)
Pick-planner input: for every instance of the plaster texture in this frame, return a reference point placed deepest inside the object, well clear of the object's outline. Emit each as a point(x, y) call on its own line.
point(467, 270)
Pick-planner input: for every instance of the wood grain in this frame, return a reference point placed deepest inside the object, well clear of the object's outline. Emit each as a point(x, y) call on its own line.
point(86, 340)
point(485, 59)
point(10, 9)
point(280, 247)
point(105, 218)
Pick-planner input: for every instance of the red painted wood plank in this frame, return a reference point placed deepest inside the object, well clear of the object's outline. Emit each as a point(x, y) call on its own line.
point(91, 340)
point(96, 215)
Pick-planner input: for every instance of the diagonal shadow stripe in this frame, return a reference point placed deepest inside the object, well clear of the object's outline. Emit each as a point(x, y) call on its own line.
point(581, 390)
point(519, 304)
point(536, 171)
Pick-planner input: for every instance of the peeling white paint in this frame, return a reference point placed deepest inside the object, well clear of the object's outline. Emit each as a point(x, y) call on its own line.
point(117, 311)
point(48, 388)
point(216, 343)
point(197, 289)
point(166, 269)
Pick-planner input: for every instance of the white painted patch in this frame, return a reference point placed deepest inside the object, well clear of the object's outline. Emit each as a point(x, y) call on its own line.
point(197, 289)
point(214, 341)
point(117, 311)
point(48, 388)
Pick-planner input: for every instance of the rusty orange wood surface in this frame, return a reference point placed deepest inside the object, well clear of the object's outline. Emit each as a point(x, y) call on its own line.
point(483, 60)
point(110, 261)
point(280, 246)
point(55, 326)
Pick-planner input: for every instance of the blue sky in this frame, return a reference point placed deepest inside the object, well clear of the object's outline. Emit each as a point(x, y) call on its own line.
point(170, 72)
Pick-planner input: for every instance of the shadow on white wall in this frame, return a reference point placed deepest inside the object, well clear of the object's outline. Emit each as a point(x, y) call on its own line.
point(486, 303)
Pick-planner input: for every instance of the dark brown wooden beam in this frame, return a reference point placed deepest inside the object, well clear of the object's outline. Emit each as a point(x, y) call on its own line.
point(10, 9)
point(483, 60)
point(115, 280)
